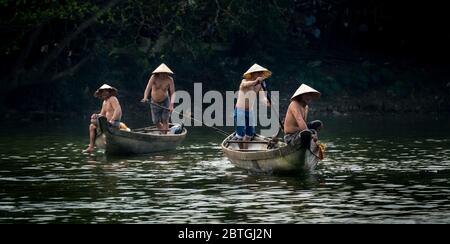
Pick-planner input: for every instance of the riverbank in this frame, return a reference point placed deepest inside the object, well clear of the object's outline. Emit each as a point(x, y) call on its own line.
point(330, 108)
point(354, 86)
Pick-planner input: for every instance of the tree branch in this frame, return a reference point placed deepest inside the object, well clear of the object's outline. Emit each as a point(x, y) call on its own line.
point(20, 62)
point(70, 71)
point(66, 41)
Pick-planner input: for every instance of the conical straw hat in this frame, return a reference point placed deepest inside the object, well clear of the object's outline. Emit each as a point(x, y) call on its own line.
point(303, 89)
point(162, 69)
point(257, 68)
point(106, 87)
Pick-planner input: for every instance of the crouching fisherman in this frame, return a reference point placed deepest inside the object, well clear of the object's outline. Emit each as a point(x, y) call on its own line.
point(110, 109)
point(297, 130)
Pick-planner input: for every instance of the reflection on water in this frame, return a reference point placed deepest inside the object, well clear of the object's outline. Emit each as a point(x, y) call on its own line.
point(372, 174)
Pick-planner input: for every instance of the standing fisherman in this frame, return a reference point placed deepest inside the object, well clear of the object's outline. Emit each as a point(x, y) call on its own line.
point(162, 89)
point(249, 88)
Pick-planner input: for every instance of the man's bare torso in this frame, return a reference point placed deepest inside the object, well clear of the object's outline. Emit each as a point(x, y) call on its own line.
point(160, 89)
point(108, 108)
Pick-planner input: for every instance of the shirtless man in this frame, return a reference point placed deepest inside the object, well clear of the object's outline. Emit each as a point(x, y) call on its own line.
point(162, 97)
point(295, 123)
point(110, 109)
point(250, 87)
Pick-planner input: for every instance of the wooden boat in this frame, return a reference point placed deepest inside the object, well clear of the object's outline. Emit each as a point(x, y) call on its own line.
point(266, 156)
point(138, 141)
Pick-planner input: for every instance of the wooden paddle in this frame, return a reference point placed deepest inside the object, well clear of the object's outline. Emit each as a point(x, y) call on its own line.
point(279, 118)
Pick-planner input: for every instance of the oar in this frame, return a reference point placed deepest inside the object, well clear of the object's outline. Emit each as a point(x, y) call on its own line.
point(279, 119)
point(212, 127)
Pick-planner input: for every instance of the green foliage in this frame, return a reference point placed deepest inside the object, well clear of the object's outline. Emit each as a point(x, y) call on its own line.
point(202, 40)
point(35, 11)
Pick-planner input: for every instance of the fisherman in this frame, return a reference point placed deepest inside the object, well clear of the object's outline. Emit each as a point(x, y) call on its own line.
point(250, 87)
point(296, 129)
point(110, 109)
point(162, 89)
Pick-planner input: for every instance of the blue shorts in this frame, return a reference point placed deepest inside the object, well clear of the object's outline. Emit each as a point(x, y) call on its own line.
point(245, 124)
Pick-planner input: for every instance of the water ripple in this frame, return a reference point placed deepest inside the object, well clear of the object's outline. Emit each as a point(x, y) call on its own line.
point(362, 180)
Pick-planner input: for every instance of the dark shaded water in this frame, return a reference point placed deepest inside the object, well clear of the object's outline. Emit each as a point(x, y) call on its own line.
point(377, 170)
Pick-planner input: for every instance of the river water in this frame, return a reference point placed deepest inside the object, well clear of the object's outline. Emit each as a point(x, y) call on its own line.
point(390, 169)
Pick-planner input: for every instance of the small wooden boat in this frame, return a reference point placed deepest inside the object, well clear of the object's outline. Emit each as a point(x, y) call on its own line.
point(264, 155)
point(138, 141)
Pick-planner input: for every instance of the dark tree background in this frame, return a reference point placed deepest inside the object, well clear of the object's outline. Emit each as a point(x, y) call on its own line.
point(375, 55)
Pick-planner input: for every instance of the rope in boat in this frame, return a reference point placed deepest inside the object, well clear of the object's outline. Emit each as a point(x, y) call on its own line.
point(212, 127)
point(321, 148)
point(315, 155)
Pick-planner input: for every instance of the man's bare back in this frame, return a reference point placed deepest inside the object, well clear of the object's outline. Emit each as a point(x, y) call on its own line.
point(248, 91)
point(295, 118)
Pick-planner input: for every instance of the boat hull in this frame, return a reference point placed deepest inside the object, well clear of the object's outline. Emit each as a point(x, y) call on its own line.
point(285, 159)
point(118, 142)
